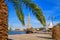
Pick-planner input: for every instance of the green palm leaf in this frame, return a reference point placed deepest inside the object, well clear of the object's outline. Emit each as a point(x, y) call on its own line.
point(36, 11)
point(18, 6)
point(20, 16)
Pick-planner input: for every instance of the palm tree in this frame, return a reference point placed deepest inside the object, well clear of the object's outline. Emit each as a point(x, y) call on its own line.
point(3, 20)
point(18, 6)
point(56, 32)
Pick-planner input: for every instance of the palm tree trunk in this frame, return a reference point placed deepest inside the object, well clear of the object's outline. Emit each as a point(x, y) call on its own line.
point(56, 33)
point(3, 20)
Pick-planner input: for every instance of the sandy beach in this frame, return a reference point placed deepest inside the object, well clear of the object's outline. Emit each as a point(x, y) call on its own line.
point(34, 36)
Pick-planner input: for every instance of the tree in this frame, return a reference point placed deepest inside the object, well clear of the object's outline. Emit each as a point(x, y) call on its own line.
point(10, 29)
point(58, 24)
point(3, 20)
point(56, 32)
point(18, 6)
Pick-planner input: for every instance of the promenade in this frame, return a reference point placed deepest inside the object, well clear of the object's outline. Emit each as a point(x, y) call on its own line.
point(34, 36)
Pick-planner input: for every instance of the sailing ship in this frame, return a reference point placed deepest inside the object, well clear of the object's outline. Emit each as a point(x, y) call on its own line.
point(29, 28)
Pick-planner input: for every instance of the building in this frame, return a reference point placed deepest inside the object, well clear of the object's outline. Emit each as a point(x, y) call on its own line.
point(50, 26)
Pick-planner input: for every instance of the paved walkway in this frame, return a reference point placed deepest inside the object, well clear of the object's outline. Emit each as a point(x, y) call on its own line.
point(35, 36)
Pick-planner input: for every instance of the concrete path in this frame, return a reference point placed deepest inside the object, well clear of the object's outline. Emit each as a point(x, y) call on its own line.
point(35, 36)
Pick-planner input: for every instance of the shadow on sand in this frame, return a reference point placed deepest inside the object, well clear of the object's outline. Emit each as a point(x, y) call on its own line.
point(10, 39)
point(44, 32)
point(44, 37)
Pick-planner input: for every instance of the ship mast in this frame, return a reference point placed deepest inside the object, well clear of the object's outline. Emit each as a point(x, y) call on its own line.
point(29, 21)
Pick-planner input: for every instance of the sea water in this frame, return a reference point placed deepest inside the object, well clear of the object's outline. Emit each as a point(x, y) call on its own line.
point(16, 32)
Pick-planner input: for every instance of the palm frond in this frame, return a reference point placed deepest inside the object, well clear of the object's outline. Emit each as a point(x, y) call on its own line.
point(18, 6)
point(20, 16)
point(36, 11)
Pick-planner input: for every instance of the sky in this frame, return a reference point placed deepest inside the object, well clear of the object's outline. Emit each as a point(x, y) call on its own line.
point(50, 8)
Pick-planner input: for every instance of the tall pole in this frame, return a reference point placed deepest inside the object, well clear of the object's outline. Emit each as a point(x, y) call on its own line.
point(29, 20)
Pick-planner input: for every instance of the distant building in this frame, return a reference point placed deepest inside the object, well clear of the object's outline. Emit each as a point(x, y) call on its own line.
point(50, 26)
point(21, 29)
point(17, 29)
